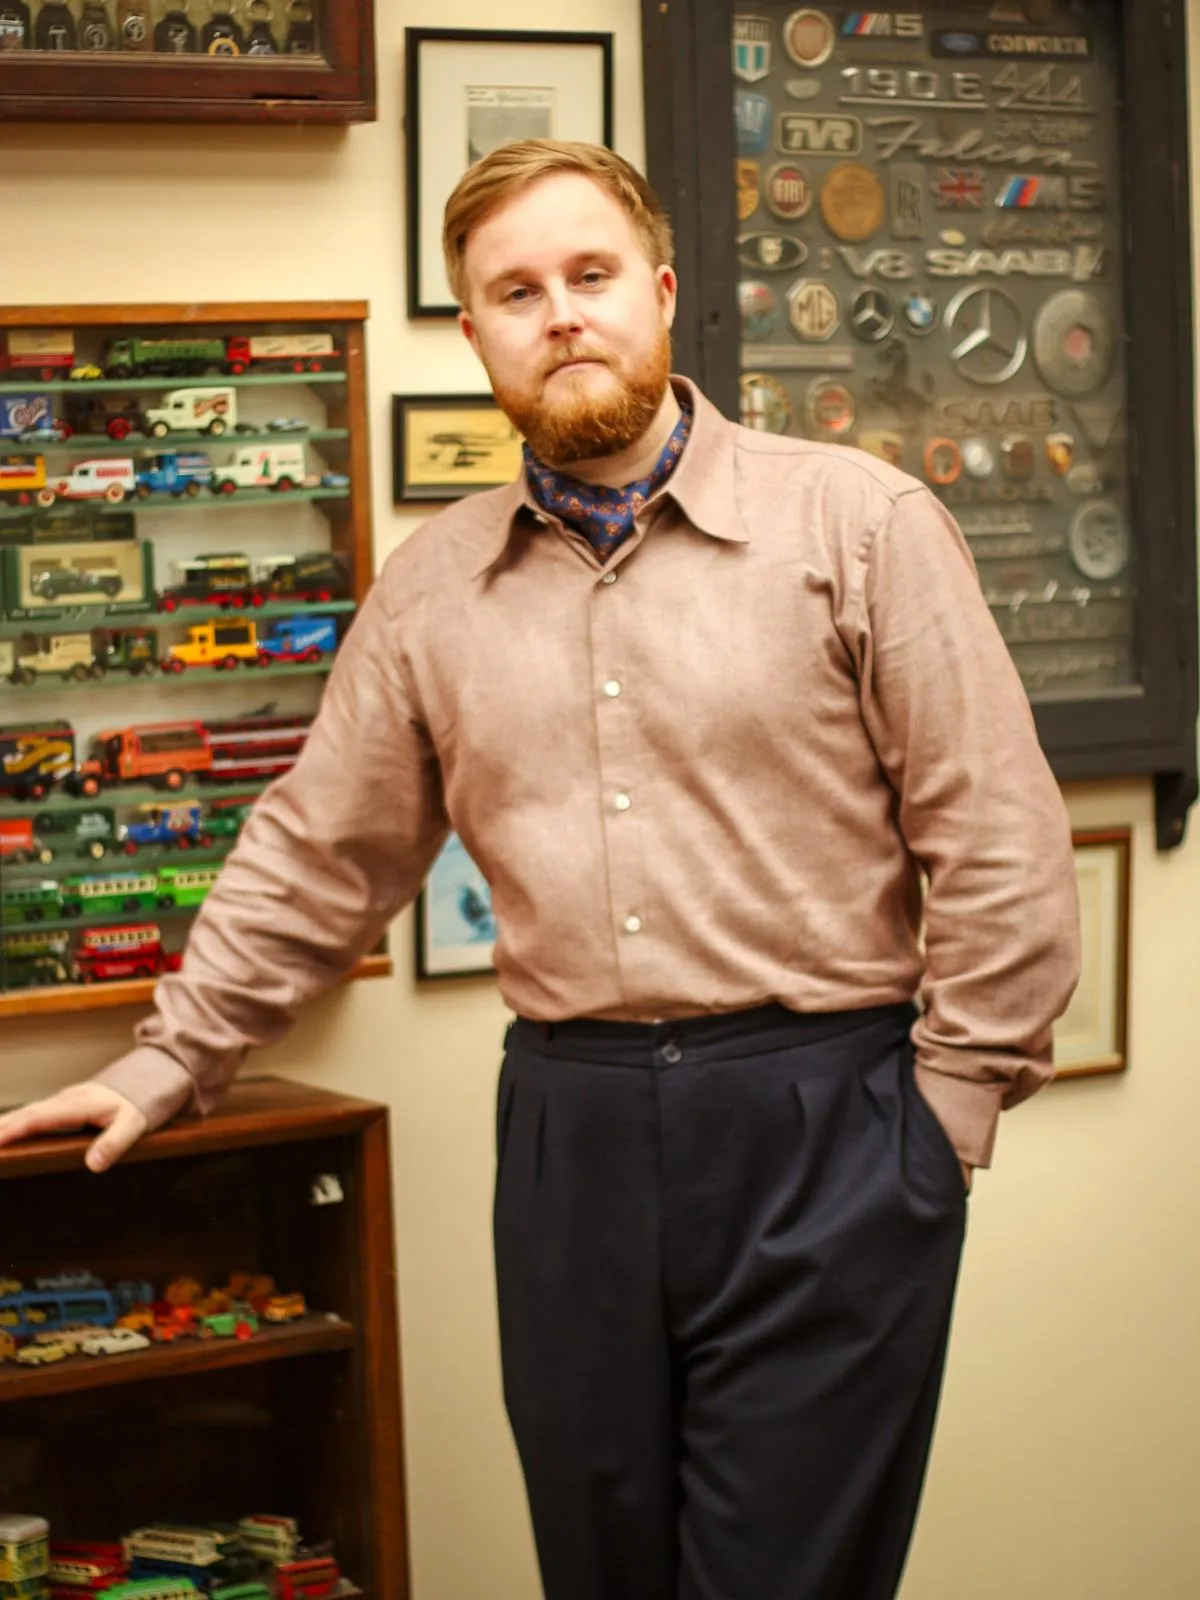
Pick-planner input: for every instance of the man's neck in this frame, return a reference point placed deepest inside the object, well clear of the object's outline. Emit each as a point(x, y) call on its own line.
point(634, 462)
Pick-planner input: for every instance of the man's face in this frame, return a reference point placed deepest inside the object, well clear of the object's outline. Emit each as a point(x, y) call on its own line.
point(569, 318)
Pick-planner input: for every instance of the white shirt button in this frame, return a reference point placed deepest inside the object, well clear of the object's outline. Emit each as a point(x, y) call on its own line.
point(539, 518)
point(609, 577)
point(612, 688)
point(622, 802)
point(633, 924)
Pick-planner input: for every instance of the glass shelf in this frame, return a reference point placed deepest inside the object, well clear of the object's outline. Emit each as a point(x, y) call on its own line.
point(105, 919)
point(132, 794)
point(115, 859)
point(134, 444)
point(213, 380)
point(200, 502)
point(10, 693)
point(99, 617)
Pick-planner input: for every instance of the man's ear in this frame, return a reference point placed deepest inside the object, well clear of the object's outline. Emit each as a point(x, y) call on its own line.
point(468, 328)
point(668, 291)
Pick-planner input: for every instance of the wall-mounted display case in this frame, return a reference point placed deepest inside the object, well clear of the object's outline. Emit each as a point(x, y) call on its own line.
point(184, 538)
point(187, 61)
point(956, 236)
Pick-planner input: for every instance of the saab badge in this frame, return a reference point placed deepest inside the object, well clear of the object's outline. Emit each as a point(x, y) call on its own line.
point(883, 25)
point(789, 193)
point(1072, 342)
point(978, 458)
point(1098, 540)
point(852, 202)
point(871, 315)
point(883, 443)
point(759, 309)
point(771, 252)
point(808, 37)
point(943, 461)
point(746, 173)
point(1060, 452)
point(751, 48)
point(752, 120)
point(1016, 452)
point(920, 313)
point(813, 309)
point(763, 403)
point(829, 409)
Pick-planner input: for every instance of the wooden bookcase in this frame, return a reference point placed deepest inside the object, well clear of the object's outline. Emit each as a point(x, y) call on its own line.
point(301, 1420)
point(336, 516)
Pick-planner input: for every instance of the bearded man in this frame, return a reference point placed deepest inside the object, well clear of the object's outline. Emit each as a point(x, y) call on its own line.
point(708, 707)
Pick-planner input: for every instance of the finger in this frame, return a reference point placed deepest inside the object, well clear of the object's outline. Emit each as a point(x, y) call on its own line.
point(69, 1108)
point(126, 1128)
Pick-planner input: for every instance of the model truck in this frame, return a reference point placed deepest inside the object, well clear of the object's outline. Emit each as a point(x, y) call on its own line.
point(173, 472)
point(296, 352)
point(211, 410)
point(267, 466)
point(23, 481)
point(110, 478)
point(295, 639)
point(137, 358)
point(33, 756)
point(44, 353)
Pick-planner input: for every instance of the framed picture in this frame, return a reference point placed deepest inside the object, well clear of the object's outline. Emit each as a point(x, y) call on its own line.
point(467, 92)
point(1091, 1036)
point(445, 446)
point(456, 931)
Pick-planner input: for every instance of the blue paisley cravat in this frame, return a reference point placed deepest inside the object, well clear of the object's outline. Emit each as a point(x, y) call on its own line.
point(603, 515)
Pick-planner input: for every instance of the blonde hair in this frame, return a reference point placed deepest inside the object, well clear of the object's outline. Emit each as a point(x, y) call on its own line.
point(513, 167)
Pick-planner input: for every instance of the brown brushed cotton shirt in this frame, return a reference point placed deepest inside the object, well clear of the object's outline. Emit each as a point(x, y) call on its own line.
point(704, 776)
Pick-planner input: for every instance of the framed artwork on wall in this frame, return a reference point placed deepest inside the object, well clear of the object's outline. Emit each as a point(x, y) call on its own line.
point(1092, 1035)
point(469, 91)
point(446, 446)
point(456, 931)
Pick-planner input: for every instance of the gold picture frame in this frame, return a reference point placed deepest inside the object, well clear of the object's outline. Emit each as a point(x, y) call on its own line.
point(1092, 1035)
point(448, 446)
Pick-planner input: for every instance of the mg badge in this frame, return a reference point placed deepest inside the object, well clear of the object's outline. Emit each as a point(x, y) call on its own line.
point(808, 37)
point(978, 458)
point(1098, 540)
point(1016, 451)
point(789, 193)
point(871, 315)
point(1072, 342)
point(1060, 452)
point(829, 409)
point(771, 252)
point(759, 309)
point(943, 461)
point(751, 48)
point(763, 403)
point(813, 309)
point(747, 176)
point(752, 120)
point(920, 313)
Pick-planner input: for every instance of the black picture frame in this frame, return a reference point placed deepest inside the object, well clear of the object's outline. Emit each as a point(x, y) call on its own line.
point(459, 467)
point(1147, 729)
point(453, 873)
point(421, 300)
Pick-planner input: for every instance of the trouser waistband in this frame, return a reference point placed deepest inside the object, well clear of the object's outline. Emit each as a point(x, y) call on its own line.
point(724, 1035)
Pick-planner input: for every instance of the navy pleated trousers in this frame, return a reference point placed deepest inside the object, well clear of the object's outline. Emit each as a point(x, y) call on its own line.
point(726, 1255)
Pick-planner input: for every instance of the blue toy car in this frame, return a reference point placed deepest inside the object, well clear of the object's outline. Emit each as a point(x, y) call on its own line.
point(296, 639)
point(174, 472)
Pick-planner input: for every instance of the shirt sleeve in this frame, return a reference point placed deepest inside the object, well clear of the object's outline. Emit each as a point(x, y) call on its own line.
point(330, 853)
point(982, 814)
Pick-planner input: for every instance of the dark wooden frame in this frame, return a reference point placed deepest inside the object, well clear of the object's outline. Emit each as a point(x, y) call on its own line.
point(1122, 839)
point(135, 87)
point(354, 1460)
point(350, 529)
point(414, 38)
point(402, 492)
point(690, 154)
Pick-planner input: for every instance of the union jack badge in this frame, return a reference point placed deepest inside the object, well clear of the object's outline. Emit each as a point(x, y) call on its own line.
point(959, 188)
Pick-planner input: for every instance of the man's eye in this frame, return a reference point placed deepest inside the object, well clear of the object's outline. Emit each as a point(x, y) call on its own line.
point(594, 276)
point(517, 294)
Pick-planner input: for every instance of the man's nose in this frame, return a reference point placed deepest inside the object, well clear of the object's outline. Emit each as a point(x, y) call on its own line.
point(564, 317)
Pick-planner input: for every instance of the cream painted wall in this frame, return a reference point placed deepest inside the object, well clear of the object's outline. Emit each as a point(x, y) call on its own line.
point(1068, 1457)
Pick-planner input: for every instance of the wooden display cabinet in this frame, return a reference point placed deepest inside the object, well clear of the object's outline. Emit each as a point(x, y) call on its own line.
point(113, 403)
point(261, 61)
point(301, 1420)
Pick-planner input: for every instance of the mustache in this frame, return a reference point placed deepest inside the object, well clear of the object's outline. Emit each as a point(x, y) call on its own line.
point(566, 357)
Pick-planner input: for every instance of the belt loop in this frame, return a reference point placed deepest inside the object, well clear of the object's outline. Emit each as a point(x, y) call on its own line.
point(547, 1029)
